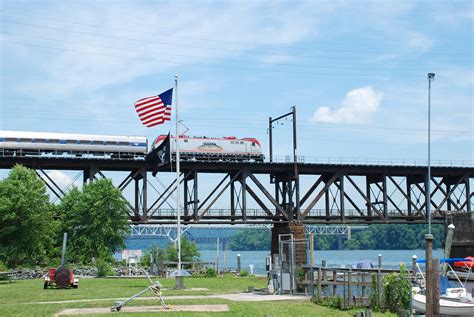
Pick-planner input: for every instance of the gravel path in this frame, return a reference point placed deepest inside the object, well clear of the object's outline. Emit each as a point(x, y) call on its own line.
point(146, 309)
point(238, 297)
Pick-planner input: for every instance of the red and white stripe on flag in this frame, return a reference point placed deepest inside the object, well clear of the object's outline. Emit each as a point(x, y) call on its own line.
point(152, 111)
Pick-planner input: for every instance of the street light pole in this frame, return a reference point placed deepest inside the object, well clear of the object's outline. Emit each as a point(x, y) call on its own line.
point(428, 191)
point(432, 299)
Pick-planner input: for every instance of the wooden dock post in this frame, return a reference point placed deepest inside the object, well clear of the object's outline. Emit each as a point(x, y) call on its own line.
point(429, 275)
point(325, 278)
point(334, 280)
point(435, 283)
point(447, 247)
point(319, 282)
point(413, 266)
point(379, 281)
point(349, 288)
point(362, 292)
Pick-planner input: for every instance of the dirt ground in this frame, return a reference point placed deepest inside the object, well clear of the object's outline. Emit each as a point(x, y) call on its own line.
point(135, 309)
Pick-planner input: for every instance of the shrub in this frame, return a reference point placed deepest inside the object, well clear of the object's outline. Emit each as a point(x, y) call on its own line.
point(332, 302)
point(395, 296)
point(210, 273)
point(374, 302)
point(104, 268)
point(3, 266)
point(244, 273)
point(396, 290)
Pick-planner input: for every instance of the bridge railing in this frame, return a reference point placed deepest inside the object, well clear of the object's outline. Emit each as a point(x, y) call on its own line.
point(371, 161)
point(260, 213)
point(251, 158)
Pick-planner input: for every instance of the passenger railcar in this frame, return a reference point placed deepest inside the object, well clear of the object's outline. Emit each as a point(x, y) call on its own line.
point(222, 149)
point(20, 143)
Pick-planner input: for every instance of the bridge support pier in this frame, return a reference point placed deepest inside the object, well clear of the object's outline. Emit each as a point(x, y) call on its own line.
point(297, 229)
point(463, 239)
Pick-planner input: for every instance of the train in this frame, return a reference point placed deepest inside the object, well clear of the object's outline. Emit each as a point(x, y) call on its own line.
point(39, 144)
point(214, 149)
point(22, 143)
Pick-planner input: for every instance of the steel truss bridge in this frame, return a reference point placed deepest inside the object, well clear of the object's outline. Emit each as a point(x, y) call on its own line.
point(221, 233)
point(269, 193)
point(168, 231)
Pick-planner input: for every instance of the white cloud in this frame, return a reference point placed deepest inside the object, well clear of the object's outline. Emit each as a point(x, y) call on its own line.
point(61, 179)
point(419, 42)
point(153, 47)
point(358, 107)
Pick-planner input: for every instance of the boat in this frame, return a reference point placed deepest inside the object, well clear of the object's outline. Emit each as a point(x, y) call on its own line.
point(464, 270)
point(455, 301)
point(462, 275)
point(466, 263)
point(446, 306)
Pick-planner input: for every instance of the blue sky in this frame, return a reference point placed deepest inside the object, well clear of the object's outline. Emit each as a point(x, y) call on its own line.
point(356, 71)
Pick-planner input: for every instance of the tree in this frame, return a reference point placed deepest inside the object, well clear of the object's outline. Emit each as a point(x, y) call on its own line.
point(189, 251)
point(250, 240)
point(26, 219)
point(96, 220)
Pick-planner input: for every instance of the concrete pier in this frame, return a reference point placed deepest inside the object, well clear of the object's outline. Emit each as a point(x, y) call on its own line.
point(463, 240)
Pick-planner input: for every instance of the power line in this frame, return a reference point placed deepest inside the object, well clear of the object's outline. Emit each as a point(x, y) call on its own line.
point(161, 43)
point(225, 41)
point(204, 121)
point(154, 60)
point(212, 58)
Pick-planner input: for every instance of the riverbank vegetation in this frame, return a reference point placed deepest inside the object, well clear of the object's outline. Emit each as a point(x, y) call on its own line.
point(374, 237)
point(31, 227)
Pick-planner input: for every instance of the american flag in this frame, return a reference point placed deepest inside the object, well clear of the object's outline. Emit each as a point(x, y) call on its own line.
point(156, 109)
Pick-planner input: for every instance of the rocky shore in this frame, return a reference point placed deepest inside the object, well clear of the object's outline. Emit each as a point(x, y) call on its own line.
point(26, 274)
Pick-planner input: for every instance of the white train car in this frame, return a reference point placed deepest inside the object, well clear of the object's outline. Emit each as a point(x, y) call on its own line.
point(21, 143)
point(220, 149)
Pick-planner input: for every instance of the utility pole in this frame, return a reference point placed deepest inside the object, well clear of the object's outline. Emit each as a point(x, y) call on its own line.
point(270, 122)
point(295, 161)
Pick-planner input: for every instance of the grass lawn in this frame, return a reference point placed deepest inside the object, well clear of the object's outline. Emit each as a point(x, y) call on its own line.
point(21, 298)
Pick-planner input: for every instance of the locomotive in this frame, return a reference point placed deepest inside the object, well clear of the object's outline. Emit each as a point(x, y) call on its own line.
point(21, 143)
point(214, 149)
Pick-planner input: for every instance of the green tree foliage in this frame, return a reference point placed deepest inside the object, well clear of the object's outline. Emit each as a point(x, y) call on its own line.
point(189, 251)
point(395, 237)
point(375, 237)
point(325, 242)
point(26, 219)
point(96, 220)
point(250, 240)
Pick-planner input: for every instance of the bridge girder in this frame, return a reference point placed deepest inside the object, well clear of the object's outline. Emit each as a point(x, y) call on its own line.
point(332, 194)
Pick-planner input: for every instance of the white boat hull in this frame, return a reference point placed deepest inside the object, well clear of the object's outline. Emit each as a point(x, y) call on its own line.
point(463, 276)
point(446, 307)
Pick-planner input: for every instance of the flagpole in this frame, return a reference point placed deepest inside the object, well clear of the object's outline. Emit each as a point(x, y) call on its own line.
point(178, 211)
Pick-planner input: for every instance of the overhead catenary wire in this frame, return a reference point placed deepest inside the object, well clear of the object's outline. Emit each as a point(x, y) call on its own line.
point(204, 121)
point(212, 66)
point(226, 49)
point(224, 41)
point(214, 59)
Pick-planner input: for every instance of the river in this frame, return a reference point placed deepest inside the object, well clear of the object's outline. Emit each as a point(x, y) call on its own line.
point(390, 258)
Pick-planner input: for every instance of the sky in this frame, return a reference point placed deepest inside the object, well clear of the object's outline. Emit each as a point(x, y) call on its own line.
point(355, 70)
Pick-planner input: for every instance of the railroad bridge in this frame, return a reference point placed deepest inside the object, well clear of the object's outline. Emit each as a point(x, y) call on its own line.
point(285, 195)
